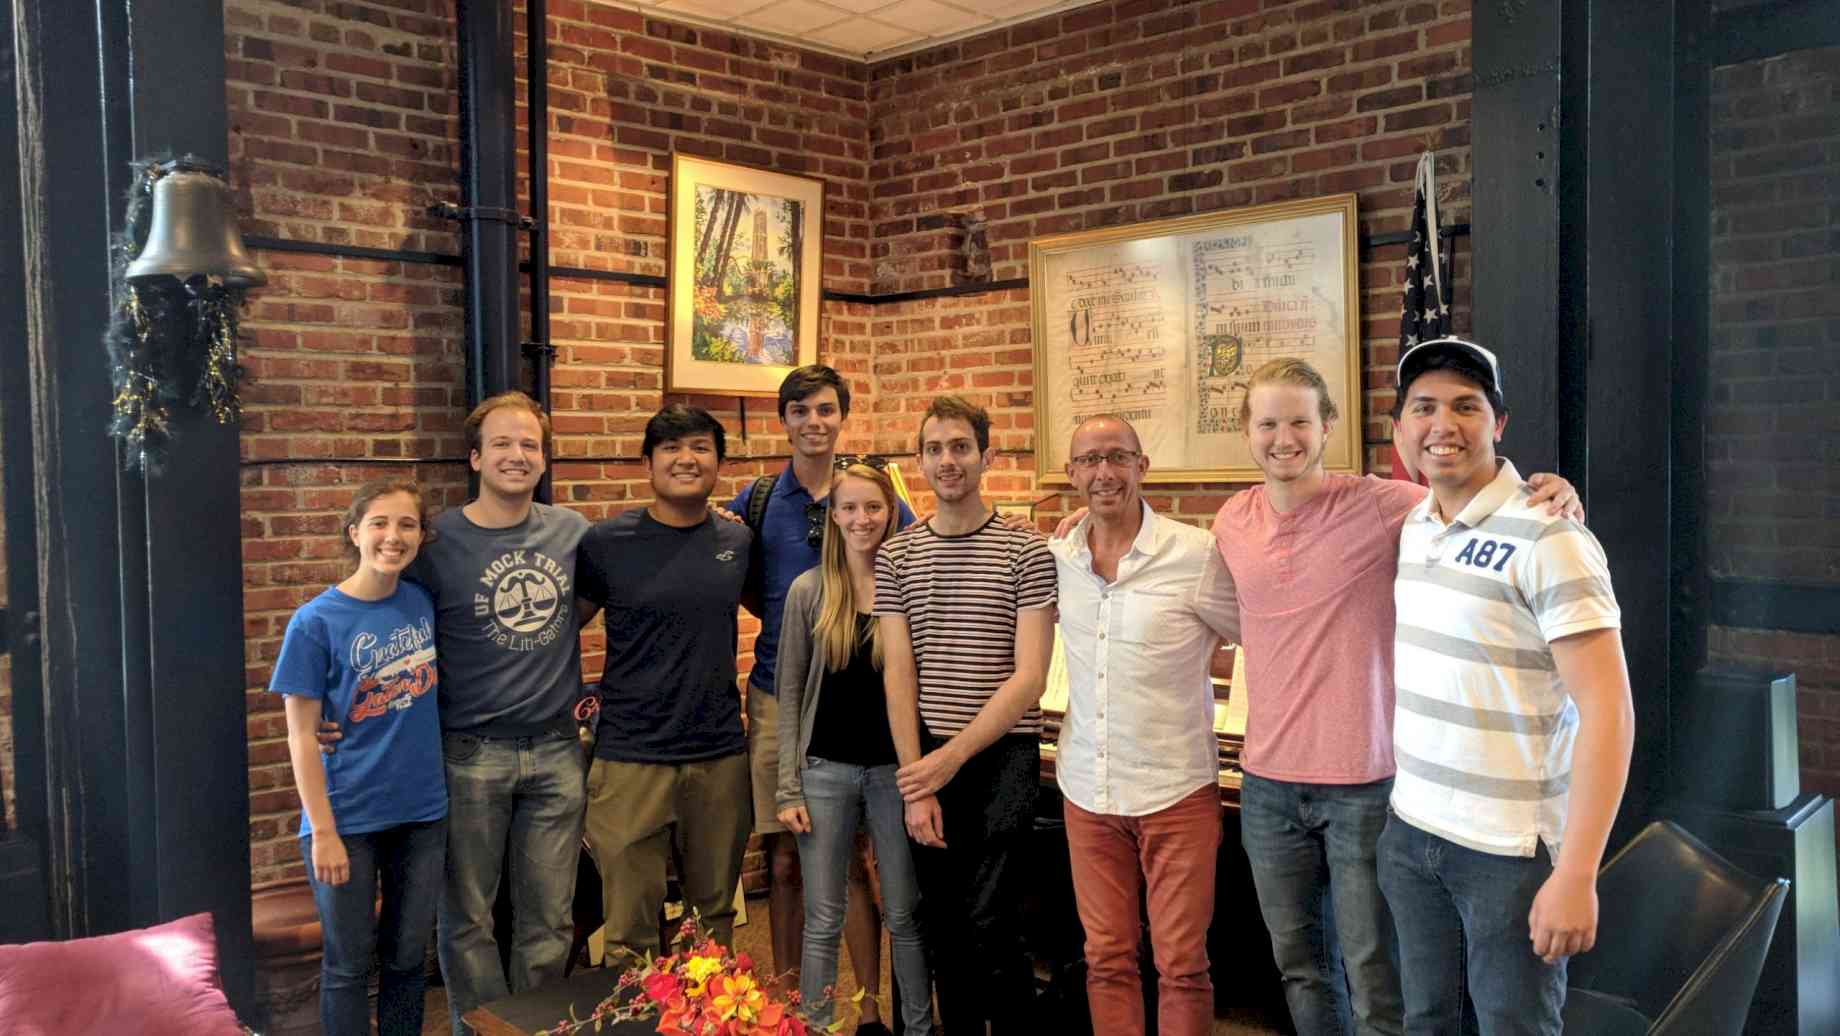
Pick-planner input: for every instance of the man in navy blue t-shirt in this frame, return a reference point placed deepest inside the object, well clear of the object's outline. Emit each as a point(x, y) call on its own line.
point(670, 760)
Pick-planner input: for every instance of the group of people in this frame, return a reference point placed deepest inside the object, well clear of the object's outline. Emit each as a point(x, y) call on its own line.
point(1438, 735)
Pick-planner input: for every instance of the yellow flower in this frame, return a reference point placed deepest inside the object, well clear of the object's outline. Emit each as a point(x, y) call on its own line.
point(697, 969)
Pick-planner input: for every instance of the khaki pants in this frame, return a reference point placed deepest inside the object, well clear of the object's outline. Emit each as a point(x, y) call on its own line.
point(640, 815)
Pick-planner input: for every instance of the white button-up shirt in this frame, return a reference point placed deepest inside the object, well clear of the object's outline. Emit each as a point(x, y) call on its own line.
point(1138, 736)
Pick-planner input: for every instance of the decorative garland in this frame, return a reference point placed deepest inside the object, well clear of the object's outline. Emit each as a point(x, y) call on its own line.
point(161, 327)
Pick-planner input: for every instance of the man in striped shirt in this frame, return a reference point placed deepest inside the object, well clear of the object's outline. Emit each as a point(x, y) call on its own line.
point(1513, 724)
point(967, 610)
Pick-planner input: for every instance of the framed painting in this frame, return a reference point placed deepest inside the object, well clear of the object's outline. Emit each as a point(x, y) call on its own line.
point(745, 277)
point(1163, 322)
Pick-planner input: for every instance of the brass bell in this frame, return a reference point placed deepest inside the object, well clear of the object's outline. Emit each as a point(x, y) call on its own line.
point(194, 232)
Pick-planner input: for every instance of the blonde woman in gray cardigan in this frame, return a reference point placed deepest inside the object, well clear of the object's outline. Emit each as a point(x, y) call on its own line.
point(836, 755)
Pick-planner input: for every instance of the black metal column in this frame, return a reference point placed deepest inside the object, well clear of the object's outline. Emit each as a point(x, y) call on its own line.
point(1623, 345)
point(138, 580)
point(64, 215)
point(1574, 201)
point(542, 353)
point(1514, 225)
point(488, 174)
point(22, 847)
point(188, 748)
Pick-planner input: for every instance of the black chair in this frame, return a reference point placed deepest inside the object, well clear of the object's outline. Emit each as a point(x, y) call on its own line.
point(1681, 940)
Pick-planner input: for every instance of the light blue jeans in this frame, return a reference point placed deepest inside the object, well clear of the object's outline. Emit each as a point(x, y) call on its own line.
point(835, 795)
point(514, 812)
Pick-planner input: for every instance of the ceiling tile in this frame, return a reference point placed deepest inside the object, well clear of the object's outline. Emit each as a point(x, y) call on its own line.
point(712, 10)
point(862, 36)
point(793, 17)
point(931, 18)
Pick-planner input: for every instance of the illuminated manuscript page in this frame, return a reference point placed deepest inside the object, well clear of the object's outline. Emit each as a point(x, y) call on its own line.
point(1164, 332)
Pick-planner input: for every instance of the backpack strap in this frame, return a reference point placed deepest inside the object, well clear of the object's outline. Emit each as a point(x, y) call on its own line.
point(753, 587)
point(757, 501)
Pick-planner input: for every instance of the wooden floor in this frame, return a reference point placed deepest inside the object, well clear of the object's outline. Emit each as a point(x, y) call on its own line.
point(752, 938)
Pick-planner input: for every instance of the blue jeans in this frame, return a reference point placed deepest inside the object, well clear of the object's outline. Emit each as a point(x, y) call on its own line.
point(835, 795)
point(407, 860)
point(516, 803)
point(1463, 914)
point(1312, 850)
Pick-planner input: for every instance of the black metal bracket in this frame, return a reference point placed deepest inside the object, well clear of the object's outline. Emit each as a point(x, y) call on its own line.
point(542, 351)
point(462, 213)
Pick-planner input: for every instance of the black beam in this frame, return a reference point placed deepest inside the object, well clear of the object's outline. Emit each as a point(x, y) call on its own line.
point(1514, 253)
point(190, 758)
point(22, 847)
point(488, 177)
point(1692, 223)
point(64, 209)
point(1768, 29)
point(1620, 423)
point(542, 353)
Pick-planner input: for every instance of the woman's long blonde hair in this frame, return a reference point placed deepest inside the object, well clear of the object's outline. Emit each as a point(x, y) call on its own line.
point(835, 633)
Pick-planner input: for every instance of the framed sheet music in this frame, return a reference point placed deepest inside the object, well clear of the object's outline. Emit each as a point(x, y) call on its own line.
point(1163, 322)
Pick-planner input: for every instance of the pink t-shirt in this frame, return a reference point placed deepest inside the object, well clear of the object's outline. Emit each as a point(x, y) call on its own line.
point(1316, 617)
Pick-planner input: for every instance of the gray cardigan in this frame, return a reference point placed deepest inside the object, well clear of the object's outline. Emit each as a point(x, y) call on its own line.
point(799, 677)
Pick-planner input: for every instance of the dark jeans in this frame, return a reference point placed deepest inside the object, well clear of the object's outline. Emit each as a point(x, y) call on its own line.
point(407, 860)
point(514, 810)
point(971, 891)
point(1462, 915)
point(1312, 852)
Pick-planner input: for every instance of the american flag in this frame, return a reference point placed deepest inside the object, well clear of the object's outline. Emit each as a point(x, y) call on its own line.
point(1425, 312)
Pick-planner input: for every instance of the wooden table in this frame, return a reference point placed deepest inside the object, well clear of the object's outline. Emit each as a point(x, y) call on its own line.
point(526, 1013)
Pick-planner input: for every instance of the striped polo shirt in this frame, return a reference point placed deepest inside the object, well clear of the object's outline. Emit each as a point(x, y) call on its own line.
point(1483, 727)
point(960, 595)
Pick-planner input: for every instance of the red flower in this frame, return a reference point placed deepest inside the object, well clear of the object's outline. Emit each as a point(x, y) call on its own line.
point(662, 986)
point(743, 962)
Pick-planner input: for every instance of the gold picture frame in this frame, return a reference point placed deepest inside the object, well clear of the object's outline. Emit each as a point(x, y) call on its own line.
point(1161, 322)
point(746, 275)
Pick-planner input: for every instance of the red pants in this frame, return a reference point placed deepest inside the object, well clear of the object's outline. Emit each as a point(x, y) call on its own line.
point(1171, 852)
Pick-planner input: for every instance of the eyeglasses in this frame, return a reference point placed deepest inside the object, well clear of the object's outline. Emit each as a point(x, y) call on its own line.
point(1116, 458)
point(874, 460)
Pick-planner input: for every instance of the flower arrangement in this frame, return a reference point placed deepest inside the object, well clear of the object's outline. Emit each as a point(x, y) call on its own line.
point(699, 989)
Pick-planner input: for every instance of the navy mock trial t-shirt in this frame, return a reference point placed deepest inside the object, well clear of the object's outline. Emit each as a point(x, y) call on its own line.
point(372, 664)
point(668, 596)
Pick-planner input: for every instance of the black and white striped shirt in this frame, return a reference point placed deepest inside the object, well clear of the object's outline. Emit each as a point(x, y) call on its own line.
point(960, 596)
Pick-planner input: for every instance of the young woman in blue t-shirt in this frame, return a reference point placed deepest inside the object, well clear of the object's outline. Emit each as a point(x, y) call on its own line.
point(375, 812)
point(836, 755)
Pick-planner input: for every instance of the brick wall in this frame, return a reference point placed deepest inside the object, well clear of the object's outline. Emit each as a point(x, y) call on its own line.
point(1137, 110)
point(343, 130)
point(1773, 420)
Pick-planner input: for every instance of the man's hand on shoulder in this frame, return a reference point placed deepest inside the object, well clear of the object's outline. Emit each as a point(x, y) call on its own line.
point(1065, 528)
point(1559, 496)
point(1017, 522)
point(724, 513)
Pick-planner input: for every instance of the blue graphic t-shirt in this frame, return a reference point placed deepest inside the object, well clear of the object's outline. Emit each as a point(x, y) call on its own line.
point(372, 665)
